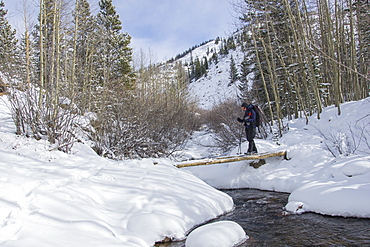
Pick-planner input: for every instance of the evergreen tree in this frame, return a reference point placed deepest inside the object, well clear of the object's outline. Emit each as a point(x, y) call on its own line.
point(116, 77)
point(224, 48)
point(8, 44)
point(245, 69)
point(244, 72)
point(214, 58)
point(205, 66)
point(234, 76)
point(198, 69)
point(230, 44)
point(113, 46)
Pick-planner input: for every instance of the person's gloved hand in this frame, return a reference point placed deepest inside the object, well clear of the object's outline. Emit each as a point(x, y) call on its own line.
point(240, 120)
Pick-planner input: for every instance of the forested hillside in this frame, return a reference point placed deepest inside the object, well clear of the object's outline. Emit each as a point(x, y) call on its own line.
point(72, 77)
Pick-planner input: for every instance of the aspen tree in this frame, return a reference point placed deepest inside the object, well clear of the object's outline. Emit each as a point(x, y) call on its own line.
point(27, 43)
point(332, 68)
point(262, 75)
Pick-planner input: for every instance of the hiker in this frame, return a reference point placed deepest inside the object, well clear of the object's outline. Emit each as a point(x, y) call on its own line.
point(249, 121)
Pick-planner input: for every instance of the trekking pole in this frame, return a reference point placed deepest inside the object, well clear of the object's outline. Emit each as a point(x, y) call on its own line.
point(240, 140)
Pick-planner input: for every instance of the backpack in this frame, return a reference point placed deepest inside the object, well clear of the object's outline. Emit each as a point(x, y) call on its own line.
point(258, 115)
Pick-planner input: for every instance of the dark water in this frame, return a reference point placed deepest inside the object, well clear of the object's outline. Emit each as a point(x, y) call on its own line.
point(261, 215)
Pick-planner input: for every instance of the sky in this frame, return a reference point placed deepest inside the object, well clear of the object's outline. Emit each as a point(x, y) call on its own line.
point(163, 28)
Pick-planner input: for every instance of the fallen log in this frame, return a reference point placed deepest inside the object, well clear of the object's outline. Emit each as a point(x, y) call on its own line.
point(232, 159)
point(3, 88)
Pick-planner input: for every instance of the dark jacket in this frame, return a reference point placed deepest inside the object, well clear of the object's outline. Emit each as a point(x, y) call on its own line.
point(249, 118)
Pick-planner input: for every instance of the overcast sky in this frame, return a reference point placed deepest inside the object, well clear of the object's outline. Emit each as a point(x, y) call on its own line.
point(166, 27)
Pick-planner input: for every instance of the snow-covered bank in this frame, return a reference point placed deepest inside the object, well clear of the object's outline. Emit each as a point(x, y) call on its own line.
point(221, 233)
point(49, 198)
point(318, 181)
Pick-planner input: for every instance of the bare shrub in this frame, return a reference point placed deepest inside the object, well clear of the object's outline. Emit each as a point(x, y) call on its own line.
point(350, 140)
point(150, 122)
point(222, 120)
point(56, 122)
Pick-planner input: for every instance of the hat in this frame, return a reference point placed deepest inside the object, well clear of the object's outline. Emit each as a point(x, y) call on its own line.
point(245, 105)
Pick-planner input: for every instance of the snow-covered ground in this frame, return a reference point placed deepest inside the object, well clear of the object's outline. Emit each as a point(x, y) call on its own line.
point(49, 198)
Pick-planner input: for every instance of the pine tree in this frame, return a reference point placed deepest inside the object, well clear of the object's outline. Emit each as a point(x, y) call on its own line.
point(114, 74)
point(243, 78)
point(233, 72)
point(224, 48)
point(114, 46)
point(198, 69)
point(230, 44)
point(8, 44)
point(217, 40)
point(214, 58)
point(205, 66)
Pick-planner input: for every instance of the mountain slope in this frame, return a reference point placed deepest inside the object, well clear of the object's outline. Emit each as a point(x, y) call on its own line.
point(214, 87)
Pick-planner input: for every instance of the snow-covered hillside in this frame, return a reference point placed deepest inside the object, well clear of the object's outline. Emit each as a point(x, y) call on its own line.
point(214, 87)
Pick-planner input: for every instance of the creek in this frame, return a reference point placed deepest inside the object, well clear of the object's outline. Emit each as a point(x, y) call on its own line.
point(261, 215)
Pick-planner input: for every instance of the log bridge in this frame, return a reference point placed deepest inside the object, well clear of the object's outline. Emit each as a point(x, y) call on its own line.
point(3, 88)
point(228, 159)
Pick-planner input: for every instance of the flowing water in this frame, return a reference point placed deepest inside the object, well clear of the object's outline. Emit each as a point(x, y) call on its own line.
point(261, 215)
